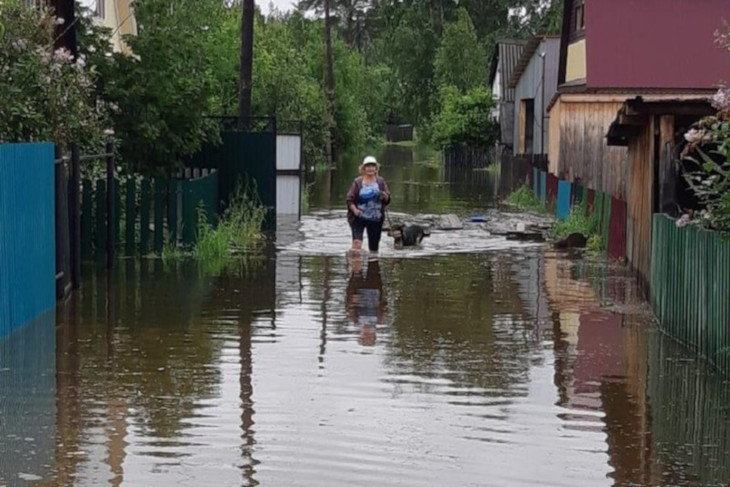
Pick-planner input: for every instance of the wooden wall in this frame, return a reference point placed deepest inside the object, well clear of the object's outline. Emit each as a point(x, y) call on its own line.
point(639, 215)
point(578, 128)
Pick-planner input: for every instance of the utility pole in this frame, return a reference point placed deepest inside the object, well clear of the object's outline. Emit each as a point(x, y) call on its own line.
point(246, 72)
point(542, 107)
point(329, 85)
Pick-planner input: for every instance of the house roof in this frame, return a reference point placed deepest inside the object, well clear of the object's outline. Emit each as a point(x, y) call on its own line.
point(530, 48)
point(667, 44)
point(506, 54)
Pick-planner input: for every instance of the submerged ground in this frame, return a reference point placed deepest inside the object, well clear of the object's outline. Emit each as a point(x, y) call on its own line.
point(470, 362)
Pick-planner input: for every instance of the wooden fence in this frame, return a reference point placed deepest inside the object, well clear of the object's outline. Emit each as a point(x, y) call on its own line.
point(399, 133)
point(690, 283)
point(147, 213)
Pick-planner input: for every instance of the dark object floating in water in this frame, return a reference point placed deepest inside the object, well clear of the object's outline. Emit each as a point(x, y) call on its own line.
point(572, 241)
point(525, 236)
point(408, 236)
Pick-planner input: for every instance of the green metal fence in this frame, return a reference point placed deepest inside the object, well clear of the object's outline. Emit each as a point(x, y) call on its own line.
point(148, 213)
point(690, 282)
point(243, 157)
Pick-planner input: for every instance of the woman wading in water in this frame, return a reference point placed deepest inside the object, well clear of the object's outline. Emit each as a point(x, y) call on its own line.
point(366, 201)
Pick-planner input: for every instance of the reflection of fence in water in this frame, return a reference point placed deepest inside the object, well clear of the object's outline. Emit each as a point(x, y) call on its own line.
point(27, 400)
point(690, 420)
point(473, 182)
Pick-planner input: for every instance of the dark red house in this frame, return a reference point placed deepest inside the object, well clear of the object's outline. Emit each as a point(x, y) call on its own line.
point(630, 70)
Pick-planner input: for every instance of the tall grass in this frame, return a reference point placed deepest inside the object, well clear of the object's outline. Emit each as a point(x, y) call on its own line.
point(306, 196)
point(525, 200)
point(238, 230)
point(244, 217)
point(578, 222)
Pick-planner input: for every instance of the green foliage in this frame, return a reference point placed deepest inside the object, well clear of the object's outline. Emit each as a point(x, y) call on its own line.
point(709, 148)
point(212, 246)
point(244, 217)
point(576, 222)
point(238, 230)
point(46, 96)
point(524, 199)
point(172, 253)
point(465, 119)
point(394, 63)
point(595, 243)
point(710, 182)
point(164, 90)
point(460, 60)
point(306, 196)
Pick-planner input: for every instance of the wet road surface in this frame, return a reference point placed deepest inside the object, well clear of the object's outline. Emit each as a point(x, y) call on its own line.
point(503, 365)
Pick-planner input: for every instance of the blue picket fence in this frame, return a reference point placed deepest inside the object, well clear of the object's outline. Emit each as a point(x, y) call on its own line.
point(565, 191)
point(27, 234)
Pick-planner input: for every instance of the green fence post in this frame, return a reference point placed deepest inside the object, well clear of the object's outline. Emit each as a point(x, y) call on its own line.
point(144, 217)
point(172, 210)
point(130, 217)
point(159, 214)
point(100, 218)
point(86, 218)
point(117, 213)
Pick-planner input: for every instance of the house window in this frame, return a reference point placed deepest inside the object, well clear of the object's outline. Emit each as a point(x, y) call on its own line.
point(578, 20)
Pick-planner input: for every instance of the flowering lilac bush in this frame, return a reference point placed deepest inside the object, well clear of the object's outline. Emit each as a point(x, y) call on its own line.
point(708, 146)
point(46, 96)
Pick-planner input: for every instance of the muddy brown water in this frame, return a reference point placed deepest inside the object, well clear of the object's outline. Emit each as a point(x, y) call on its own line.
point(497, 365)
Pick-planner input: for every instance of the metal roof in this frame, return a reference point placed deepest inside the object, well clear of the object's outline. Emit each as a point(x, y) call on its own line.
point(527, 53)
point(506, 55)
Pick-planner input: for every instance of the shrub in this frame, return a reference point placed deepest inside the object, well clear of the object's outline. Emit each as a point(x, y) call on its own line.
point(46, 96)
point(525, 199)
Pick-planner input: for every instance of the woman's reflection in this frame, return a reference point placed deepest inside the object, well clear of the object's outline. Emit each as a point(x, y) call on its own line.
point(365, 299)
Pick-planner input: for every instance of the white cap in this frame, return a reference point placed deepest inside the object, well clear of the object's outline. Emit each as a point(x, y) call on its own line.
point(369, 160)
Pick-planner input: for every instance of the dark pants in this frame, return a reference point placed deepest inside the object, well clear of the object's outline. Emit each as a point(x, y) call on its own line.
point(374, 229)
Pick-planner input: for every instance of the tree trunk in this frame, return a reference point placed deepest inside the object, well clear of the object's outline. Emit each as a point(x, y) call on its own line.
point(244, 84)
point(329, 85)
point(66, 32)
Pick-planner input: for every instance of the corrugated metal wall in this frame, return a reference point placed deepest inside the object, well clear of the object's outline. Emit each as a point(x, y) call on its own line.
point(530, 87)
point(27, 240)
point(242, 155)
point(690, 282)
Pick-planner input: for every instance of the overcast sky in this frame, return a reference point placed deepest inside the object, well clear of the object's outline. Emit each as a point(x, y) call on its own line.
point(282, 5)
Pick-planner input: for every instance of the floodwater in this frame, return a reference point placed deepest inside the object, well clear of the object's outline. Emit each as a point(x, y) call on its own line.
point(499, 364)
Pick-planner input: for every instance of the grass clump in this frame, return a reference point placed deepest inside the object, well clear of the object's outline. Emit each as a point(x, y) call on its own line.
point(578, 222)
point(525, 200)
point(213, 244)
point(306, 196)
point(172, 253)
point(244, 217)
point(238, 230)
